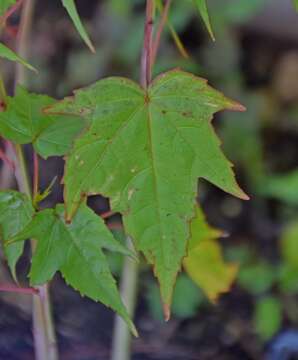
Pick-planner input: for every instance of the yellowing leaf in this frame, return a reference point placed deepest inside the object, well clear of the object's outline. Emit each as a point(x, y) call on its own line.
point(145, 150)
point(202, 7)
point(204, 262)
point(76, 251)
point(73, 13)
point(8, 54)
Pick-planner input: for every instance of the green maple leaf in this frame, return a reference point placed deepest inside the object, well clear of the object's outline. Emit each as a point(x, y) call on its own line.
point(76, 251)
point(145, 150)
point(16, 212)
point(204, 262)
point(24, 122)
point(5, 5)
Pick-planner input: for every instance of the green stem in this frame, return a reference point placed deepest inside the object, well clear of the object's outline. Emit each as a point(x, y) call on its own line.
point(43, 327)
point(121, 348)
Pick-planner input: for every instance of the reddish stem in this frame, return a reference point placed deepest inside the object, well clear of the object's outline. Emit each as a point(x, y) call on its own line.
point(7, 160)
point(15, 289)
point(161, 26)
point(107, 214)
point(11, 11)
point(146, 65)
point(35, 174)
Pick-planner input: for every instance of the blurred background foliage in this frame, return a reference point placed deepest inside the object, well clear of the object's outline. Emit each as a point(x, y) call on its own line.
point(254, 60)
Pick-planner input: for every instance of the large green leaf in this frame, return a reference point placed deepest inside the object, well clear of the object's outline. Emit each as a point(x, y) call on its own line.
point(8, 54)
point(145, 150)
point(204, 262)
point(76, 251)
point(202, 7)
point(16, 212)
point(24, 122)
point(5, 5)
point(73, 13)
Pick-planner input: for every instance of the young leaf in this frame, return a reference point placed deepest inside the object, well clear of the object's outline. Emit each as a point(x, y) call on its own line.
point(73, 13)
point(202, 7)
point(24, 122)
point(5, 5)
point(204, 262)
point(8, 54)
point(16, 212)
point(145, 150)
point(76, 251)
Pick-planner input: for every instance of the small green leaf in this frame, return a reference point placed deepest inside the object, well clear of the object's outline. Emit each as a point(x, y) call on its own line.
point(202, 7)
point(146, 150)
point(73, 13)
point(268, 317)
point(8, 54)
point(5, 5)
point(25, 122)
point(295, 2)
point(204, 262)
point(16, 212)
point(76, 251)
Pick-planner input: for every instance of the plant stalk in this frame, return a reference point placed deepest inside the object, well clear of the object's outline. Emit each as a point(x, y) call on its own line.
point(43, 327)
point(121, 348)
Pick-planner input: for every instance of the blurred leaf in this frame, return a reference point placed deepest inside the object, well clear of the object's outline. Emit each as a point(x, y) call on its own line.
point(268, 317)
point(73, 13)
point(241, 254)
point(186, 299)
point(282, 187)
point(289, 245)
point(5, 5)
point(295, 2)
point(204, 263)
point(202, 7)
point(16, 211)
point(288, 279)
point(257, 278)
point(8, 54)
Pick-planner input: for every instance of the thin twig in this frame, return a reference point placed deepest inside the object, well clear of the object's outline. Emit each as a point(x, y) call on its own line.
point(35, 174)
point(160, 29)
point(15, 289)
point(107, 214)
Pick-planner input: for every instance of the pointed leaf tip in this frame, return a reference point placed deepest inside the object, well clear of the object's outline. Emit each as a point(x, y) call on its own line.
point(167, 312)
